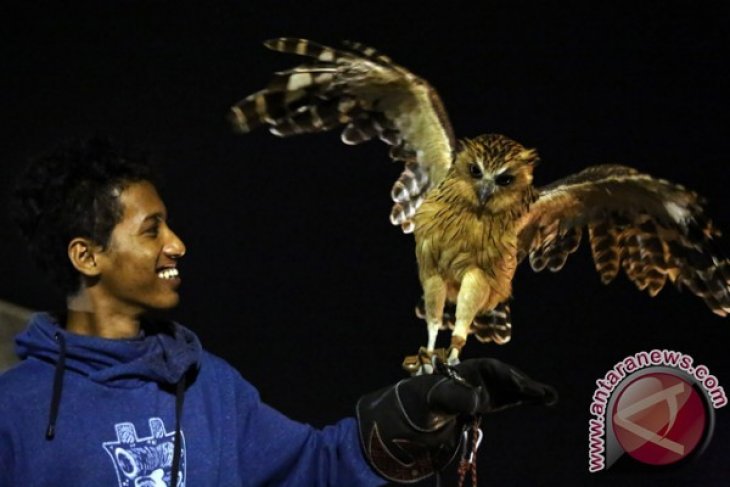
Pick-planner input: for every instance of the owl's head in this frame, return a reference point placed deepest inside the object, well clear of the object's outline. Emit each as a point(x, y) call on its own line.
point(495, 172)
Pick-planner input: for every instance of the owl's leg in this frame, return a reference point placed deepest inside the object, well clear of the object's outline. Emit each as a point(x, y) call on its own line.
point(473, 294)
point(434, 296)
point(434, 299)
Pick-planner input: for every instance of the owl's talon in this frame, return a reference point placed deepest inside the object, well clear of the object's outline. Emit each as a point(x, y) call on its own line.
point(453, 356)
point(424, 362)
point(425, 369)
point(457, 343)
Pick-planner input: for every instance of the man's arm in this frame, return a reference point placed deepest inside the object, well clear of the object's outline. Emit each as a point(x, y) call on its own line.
point(275, 450)
point(280, 451)
point(419, 419)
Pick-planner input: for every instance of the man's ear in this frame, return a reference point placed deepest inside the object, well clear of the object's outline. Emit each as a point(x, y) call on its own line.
point(83, 254)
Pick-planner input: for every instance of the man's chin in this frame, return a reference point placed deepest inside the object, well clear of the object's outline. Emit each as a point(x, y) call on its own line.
point(172, 303)
point(169, 302)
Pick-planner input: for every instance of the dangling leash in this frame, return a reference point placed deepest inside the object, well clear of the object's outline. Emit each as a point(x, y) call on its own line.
point(468, 462)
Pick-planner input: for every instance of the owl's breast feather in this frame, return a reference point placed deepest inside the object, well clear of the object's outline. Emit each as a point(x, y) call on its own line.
point(450, 240)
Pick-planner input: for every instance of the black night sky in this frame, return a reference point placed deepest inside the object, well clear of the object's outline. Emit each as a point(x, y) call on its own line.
point(293, 272)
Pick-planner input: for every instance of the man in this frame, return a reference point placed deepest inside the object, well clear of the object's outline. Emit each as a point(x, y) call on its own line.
point(107, 396)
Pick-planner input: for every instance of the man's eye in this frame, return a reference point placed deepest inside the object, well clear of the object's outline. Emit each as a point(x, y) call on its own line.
point(504, 179)
point(152, 231)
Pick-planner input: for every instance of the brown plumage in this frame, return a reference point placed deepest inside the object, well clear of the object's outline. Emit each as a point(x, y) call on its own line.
point(471, 204)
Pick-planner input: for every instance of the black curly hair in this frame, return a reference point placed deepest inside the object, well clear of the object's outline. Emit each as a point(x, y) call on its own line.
point(73, 192)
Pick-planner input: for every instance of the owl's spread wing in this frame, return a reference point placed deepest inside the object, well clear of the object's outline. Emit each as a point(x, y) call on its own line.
point(367, 94)
point(653, 229)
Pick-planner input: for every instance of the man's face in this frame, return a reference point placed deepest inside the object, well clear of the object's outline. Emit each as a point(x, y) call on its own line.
point(138, 268)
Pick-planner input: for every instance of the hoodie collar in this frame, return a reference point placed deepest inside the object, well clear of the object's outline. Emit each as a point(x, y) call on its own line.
point(162, 353)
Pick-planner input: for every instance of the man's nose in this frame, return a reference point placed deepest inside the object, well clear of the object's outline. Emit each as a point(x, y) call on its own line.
point(174, 248)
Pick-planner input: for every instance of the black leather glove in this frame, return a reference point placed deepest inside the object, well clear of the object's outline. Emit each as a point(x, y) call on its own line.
point(414, 428)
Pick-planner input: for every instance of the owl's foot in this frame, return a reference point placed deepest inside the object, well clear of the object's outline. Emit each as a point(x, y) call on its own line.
point(452, 354)
point(453, 360)
point(424, 361)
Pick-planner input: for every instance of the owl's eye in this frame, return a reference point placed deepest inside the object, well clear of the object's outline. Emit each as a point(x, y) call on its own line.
point(504, 179)
point(475, 171)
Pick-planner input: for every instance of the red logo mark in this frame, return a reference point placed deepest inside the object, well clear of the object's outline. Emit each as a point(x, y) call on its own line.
point(659, 419)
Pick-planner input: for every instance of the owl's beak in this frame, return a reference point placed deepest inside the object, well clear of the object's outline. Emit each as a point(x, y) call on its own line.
point(484, 192)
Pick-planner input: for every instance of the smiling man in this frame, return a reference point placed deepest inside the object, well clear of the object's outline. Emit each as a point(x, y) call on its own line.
point(107, 396)
point(136, 271)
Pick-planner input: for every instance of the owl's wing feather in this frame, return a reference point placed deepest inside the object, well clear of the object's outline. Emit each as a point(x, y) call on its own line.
point(367, 95)
point(653, 229)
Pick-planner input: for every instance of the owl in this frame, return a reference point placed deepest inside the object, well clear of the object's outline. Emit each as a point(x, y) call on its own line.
point(471, 204)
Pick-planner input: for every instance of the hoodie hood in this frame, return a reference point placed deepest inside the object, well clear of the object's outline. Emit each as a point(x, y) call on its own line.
point(162, 353)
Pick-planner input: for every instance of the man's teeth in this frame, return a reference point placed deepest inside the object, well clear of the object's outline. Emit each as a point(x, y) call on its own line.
point(168, 274)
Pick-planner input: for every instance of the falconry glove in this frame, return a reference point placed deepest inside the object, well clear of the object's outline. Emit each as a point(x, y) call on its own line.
point(413, 429)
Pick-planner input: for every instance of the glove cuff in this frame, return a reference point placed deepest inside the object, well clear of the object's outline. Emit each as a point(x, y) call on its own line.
point(402, 439)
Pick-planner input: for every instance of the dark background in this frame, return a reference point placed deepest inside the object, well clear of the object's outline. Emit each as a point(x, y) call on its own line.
point(294, 274)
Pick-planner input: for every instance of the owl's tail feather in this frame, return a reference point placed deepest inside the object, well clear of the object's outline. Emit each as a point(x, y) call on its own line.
point(493, 326)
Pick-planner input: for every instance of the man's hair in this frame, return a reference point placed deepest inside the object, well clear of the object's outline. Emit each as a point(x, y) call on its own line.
point(73, 192)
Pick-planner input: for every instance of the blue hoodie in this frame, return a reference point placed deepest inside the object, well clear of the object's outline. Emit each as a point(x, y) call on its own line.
point(88, 411)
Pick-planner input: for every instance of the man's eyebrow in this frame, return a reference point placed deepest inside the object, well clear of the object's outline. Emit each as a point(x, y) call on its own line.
point(159, 216)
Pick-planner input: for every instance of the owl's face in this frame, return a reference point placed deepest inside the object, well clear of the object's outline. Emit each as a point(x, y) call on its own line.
point(494, 171)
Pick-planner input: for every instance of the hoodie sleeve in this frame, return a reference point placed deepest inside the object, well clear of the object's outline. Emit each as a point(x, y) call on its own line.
point(275, 450)
point(5, 462)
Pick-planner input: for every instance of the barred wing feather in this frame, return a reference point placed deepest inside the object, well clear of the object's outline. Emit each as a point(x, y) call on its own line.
point(367, 95)
point(652, 229)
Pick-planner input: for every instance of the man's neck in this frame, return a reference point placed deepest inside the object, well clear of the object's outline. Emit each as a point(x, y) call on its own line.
point(88, 316)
